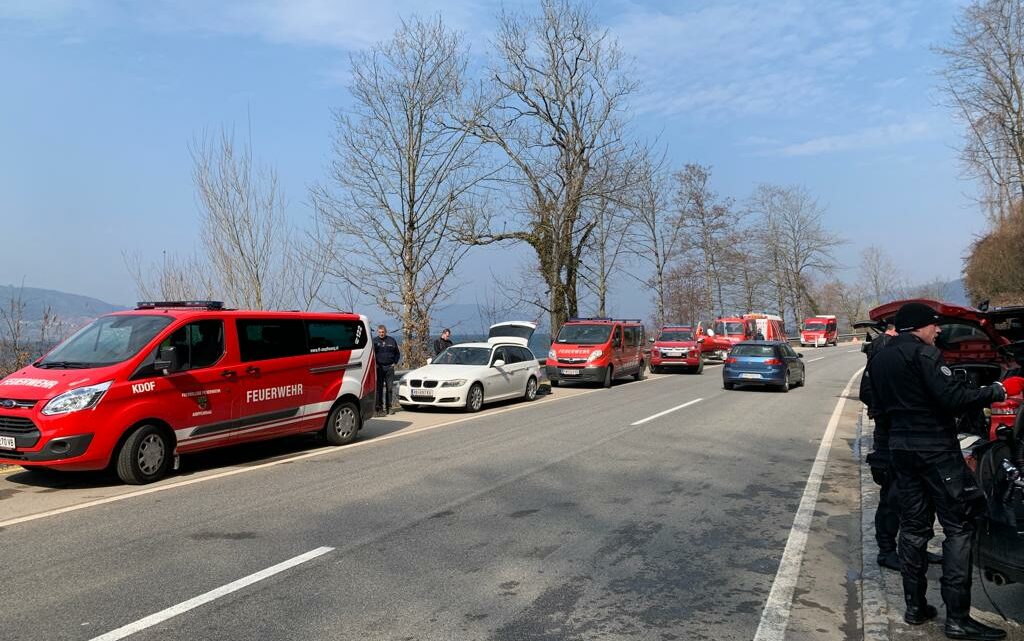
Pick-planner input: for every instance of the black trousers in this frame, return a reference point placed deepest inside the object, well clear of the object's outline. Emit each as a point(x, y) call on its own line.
point(930, 484)
point(887, 515)
point(385, 386)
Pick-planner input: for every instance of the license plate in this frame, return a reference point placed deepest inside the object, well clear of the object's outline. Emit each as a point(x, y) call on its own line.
point(7, 442)
point(570, 372)
point(673, 354)
point(748, 375)
point(422, 394)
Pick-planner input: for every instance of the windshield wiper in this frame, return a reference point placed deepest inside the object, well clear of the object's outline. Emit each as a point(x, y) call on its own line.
point(64, 365)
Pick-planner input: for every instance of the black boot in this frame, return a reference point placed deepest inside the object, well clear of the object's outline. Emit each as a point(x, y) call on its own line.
point(889, 560)
point(918, 614)
point(968, 628)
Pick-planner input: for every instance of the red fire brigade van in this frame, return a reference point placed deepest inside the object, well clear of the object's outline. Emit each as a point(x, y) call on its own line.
point(134, 389)
point(597, 350)
point(820, 331)
point(678, 346)
point(749, 327)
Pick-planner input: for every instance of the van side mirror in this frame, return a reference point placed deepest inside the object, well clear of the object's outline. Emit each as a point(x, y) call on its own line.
point(650, 340)
point(498, 363)
point(166, 360)
point(711, 332)
point(700, 339)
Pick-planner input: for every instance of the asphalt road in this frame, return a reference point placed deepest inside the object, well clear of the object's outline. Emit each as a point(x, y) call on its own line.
point(567, 518)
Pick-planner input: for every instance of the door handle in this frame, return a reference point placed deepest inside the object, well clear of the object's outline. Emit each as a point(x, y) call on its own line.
point(228, 373)
point(252, 370)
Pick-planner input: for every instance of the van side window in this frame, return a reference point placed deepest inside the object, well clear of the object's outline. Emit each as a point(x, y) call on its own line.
point(330, 336)
point(196, 345)
point(262, 339)
point(630, 336)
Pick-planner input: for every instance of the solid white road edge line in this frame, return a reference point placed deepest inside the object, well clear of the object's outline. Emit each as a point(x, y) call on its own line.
point(202, 599)
point(775, 616)
point(668, 411)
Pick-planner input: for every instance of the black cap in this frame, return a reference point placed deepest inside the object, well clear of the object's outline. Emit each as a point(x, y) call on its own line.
point(913, 316)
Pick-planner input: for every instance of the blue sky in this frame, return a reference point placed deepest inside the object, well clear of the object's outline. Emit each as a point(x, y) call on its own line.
point(100, 99)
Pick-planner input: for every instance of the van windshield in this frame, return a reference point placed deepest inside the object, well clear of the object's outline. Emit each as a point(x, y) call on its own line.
point(105, 341)
point(676, 335)
point(457, 355)
point(584, 334)
point(733, 329)
point(815, 327)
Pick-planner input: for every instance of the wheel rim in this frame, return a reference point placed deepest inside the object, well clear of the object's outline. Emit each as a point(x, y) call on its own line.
point(531, 389)
point(345, 422)
point(151, 454)
point(476, 398)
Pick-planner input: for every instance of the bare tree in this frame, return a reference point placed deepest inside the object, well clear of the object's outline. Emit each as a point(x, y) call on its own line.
point(404, 170)
point(709, 223)
point(173, 277)
point(878, 274)
point(658, 230)
point(245, 235)
point(984, 84)
point(795, 243)
point(559, 86)
point(14, 352)
point(749, 286)
point(605, 251)
point(686, 295)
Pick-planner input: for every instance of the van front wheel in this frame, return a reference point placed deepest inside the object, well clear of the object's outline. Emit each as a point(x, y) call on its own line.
point(607, 377)
point(145, 456)
point(342, 424)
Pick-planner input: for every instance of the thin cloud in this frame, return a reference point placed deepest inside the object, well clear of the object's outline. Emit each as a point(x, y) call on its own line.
point(868, 138)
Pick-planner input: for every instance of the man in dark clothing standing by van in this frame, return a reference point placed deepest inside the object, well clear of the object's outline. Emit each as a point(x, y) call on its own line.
point(444, 342)
point(385, 350)
point(915, 390)
point(887, 515)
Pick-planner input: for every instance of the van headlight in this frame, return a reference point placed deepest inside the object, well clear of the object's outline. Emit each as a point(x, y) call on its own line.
point(594, 355)
point(552, 354)
point(82, 398)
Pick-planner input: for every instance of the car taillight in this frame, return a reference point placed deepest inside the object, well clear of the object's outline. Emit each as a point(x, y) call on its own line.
point(773, 361)
point(731, 359)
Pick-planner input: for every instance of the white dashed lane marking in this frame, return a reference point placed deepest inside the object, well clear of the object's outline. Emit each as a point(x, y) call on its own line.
point(668, 411)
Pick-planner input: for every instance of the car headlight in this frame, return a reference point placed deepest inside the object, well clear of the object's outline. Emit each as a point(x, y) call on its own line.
point(459, 382)
point(82, 398)
point(552, 354)
point(594, 355)
point(655, 351)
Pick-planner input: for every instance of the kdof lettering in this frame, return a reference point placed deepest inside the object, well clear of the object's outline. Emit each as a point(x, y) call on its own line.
point(148, 386)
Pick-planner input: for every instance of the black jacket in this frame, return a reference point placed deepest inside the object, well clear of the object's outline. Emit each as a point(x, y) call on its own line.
point(872, 349)
point(386, 350)
point(915, 390)
point(441, 344)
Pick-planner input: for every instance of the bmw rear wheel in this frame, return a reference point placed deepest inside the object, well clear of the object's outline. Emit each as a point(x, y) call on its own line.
point(475, 398)
point(531, 389)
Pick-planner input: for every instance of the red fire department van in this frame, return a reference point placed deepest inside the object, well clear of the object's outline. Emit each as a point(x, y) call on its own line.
point(134, 389)
point(678, 346)
point(750, 327)
point(820, 331)
point(597, 350)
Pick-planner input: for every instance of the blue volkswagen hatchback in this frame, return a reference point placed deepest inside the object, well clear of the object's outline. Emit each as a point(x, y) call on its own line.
point(764, 363)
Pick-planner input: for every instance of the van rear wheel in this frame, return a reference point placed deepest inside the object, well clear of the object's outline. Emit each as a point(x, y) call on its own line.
point(639, 376)
point(145, 456)
point(343, 424)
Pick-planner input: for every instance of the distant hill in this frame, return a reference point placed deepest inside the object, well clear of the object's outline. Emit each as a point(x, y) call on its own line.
point(72, 310)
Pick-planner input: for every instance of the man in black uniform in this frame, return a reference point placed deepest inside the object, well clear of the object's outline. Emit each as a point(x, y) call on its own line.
point(887, 515)
point(385, 350)
point(915, 390)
